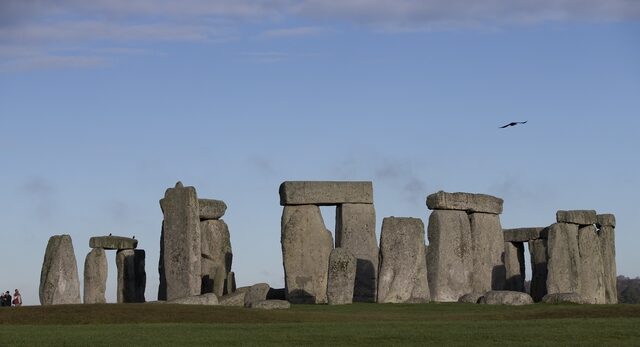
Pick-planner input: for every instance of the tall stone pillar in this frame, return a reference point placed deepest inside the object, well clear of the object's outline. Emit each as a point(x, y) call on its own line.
point(606, 233)
point(131, 275)
point(95, 277)
point(59, 282)
point(538, 252)
point(514, 266)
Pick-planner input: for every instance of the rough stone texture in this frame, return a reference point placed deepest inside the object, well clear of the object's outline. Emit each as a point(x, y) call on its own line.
point(592, 288)
point(564, 265)
point(487, 248)
point(538, 252)
point(272, 305)
point(132, 277)
point(505, 297)
point(256, 293)
point(95, 277)
point(449, 259)
point(523, 234)
point(403, 268)
point(562, 298)
point(59, 283)
point(471, 298)
point(216, 256)
point(356, 233)
point(325, 193)
point(606, 235)
point(342, 276)
point(233, 299)
point(204, 299)
point(606, 220)
point(181, 242)
point(306, 245)
point(465, 202)
point(211, 209)
point(113, 242)
point(580, 217)
point(514, 266)
point(230, 283)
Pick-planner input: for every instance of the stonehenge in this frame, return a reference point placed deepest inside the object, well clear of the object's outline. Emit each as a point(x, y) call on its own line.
point(95, 277)
point(341, 277)
point(59, 282)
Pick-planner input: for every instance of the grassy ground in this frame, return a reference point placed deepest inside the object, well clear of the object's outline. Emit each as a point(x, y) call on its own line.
point(358, 324)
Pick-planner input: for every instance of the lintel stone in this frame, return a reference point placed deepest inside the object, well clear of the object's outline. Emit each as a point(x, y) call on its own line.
point(113, 242)
point(580, 217)
point(606, 220)
point(211, 208)
point(465, 202)
point(326, 192)
point(523, 234)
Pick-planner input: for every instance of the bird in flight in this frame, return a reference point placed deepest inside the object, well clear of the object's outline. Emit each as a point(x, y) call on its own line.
point(512, 124)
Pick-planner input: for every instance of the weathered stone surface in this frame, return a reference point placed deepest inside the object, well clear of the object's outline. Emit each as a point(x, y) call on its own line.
point(487, 248)
point(204, 299)
point(523, 234)
point(564, 265)
point(471, 298)
point(465, 202)
point(505, 297)
point(211, 209)
point(216, 255)
point(449, 259)
point(95, 277)
point(514, 266)
point(272, 305)
point(356, 233)
point(403, 268)
point(306, 245)
point(59, 282)
point(132, 277)
point(113, 242)
point(255, 293)
point(233, 299)
point(209, 270)
point(562, 298)
point(342, 276)
point(606, 220)
point(325, 193)
point(181, 242)
point(581, 217)
point(230, 283)
point(538, 252)
point(606, 235)
point(592, 288)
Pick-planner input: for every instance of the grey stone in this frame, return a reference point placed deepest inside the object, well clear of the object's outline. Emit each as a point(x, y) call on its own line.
point(272, 305)
point(256, 293)
point(465, 202)
point(505, 297)
point(95, 277)
point(233, 299)
point(580, 217)
point(211, 209)
point(449, 260)
point(539, 273)
point(403, 268)
point(132, 277)
point(230, 283)
point(356, 233)
point(471, 298)
point(562, 298)
point(487, 248)
point(592, 288)
point(606, 220)
point(325, 193)
point(59, 282)
point(181, 252)
point(342, 276)
point(523, 234)
point(514, 266)
point(306, 245)
point(213, 277)
point(204, 299)
point(162, 285)
point(606, 235)
point(217, 254)
point(113, 242)
point(563, 263)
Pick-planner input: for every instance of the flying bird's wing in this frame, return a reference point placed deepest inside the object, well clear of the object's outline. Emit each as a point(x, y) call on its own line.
point(504, 126)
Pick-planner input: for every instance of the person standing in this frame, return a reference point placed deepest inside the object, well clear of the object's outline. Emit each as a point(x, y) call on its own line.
point(2, 300)
point(7, 299)
point(17, 298)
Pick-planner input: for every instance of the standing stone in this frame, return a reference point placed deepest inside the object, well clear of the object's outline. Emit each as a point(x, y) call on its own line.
point(592, 287)
point(181, 241)
point(538, 252)
point(131, 275)
point(230, 283)
point(356, 233)
point(487, 250)
point(95, 277)
point(59, 282)
point(564, 265)
point(449, 260)
point(606, 234)
point(514, 266)
point(216, 253)
point(306, 245)
point(162, 285)
point(209, 270)
point(342, 276)
point(403, 268)
point(211, 209)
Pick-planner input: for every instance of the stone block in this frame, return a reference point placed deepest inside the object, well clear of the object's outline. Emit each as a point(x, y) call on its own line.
point(342, 276)
point(514, 266)
point(113, 242)
point(606, 234)
point(95, 277)
point(505, 297)
point(471, 298)
point(255, 293)
point(217, 254)
point(487, 248)
point(211, 209)
point(606, 220)
point(563, 265)
point(233, 299)
point(562, 298)
point(204, 299)
point(272, 305)
point(592, 287)
point(580, 217)
point(465, 202)
point(539, 272)
point(59, 282)
point(132, 277)
point(325, 193)
point(523, 234)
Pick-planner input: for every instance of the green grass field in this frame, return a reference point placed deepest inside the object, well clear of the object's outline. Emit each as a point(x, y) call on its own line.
point(321, 325)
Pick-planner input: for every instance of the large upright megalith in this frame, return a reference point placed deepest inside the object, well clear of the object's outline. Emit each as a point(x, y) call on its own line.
point(403, 268)
point(95, 277)
point(59, 282)
point(564, 265)
point(487, 248)
point(342, 276)
point(216, 256)
point(592, 287)
point(131, 275)
point(606, 224)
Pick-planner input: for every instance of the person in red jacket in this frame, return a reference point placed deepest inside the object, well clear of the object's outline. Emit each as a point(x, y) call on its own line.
point(17, 298)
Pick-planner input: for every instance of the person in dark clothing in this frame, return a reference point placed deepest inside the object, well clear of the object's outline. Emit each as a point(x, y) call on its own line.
point(7, 298)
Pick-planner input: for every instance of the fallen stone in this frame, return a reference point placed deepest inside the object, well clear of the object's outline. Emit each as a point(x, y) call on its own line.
point(403, 268)
point(211, 209)
point(505, 297)
point(562, 298)
point(563, 265)
point(592, 288)
point(471, 298)
point(59, 282)
point(204, 299)
point(113, 242)
point(514, 266)
point(306, 245)
point(255, 293)
point(325, 193)
point(539, 273)
point(233, 299)
point(465, 202)
point(95, 277)
point(356, 233)
point(487, 248)
point(605, 220)
point(580, 217)
point(272, 305)
point(132, 277)
point(342, 276)
point(216, 253)
point(523, 234)
point(606, 234)
point(449, 260)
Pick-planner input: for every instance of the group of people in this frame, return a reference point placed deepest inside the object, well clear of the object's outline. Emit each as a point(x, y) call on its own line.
point(5, 299)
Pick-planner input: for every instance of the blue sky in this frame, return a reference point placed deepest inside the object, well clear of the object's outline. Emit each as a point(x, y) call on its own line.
point(105, 104)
